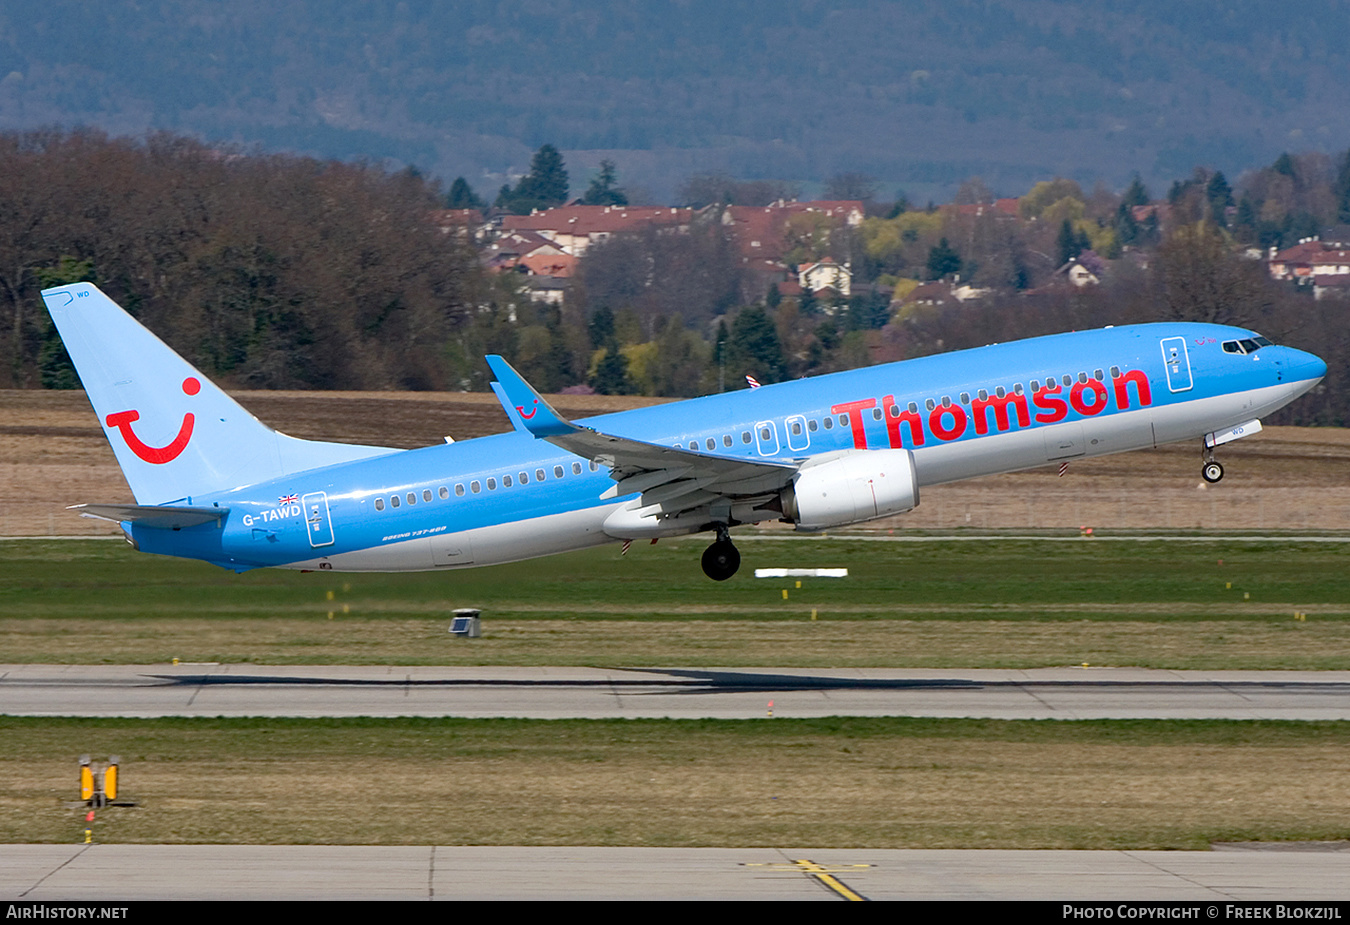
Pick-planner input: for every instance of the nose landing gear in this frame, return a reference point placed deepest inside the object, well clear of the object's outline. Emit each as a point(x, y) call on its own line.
point(721, 559)
point(1211, 471)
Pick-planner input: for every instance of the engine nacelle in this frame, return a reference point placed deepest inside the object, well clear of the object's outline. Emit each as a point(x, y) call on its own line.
point(863, 485)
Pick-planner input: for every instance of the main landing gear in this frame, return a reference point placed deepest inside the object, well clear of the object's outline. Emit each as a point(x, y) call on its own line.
point(721, 559)
point(1211, 471)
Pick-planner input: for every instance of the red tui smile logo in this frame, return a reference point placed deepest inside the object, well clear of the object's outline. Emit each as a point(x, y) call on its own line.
point(157, 455)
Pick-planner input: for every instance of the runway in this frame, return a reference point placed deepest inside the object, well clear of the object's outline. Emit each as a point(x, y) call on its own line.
point(684, 693)
point(53, 873)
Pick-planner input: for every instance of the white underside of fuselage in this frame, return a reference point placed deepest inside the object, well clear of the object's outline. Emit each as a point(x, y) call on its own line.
point(494, 545)
point(1009, 451)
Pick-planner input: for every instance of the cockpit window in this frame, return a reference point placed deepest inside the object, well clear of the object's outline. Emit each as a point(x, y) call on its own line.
point(1246, 345)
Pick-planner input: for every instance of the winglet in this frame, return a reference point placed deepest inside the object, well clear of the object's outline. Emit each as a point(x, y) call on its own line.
point(518, 396)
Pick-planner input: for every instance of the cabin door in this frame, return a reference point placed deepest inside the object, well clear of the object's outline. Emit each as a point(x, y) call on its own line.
point(317, 521)
point(1178, 364)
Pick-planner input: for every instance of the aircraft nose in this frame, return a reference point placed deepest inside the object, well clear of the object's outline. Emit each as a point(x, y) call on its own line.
point(1303, 365)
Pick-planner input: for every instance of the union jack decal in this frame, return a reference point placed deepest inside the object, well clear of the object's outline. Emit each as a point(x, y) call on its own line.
point(288, 499)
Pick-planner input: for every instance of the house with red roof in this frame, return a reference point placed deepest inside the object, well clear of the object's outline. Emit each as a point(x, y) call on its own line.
point(1309, 259)
point(575, 228)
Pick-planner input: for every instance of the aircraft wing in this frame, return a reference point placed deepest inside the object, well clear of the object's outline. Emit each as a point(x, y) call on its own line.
point(675, 478)
point(162, 516)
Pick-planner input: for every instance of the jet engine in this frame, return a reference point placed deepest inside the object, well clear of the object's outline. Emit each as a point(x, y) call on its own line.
point(862, 485)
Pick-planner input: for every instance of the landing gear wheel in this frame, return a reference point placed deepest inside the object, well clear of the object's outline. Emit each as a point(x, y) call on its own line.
point(721, 560)
point(1212, 472)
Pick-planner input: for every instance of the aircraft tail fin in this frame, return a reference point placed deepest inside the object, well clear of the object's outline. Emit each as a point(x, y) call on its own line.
point(175, 432)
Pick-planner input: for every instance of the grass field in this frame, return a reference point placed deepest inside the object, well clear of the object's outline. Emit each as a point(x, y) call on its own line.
point(846, 782)
point(991, 602)
point(1202, 602)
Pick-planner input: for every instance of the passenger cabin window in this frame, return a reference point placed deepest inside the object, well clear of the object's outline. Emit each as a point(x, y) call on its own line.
point(412, 497)
point(812, 426)
point(557, 472)
point(965, 398)
point(876, 414)
point(444, 492)
point(930, 404)
point(426, 494)
point(379, 504)
point(393, 500)
point(459, 490)
point(710, 443)
point(726, 440)
point(829, 423)
point(475, 487)
point(506, 482)
point(745, 436)
point(492, 484)
point(576, 468)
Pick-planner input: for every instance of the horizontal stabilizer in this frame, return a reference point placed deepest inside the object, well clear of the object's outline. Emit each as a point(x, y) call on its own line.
point(163, 517)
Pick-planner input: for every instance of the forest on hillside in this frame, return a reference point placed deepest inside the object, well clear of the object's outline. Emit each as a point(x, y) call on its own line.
point(278, 271)
point(922, 93)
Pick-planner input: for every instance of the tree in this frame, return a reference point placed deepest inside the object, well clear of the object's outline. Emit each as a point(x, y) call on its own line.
point(1342, 190)
point(754, 348)
point(611, 375)
point(851, 186)
point(973, 191)
point(1136, 194)
point(462, 196)
point(1072, 242)
point(603, 191)
point(544, 187)
point(943, 260)
point(704, 189)
point(1204, 281)
point(55, 371)
point(1220, 197)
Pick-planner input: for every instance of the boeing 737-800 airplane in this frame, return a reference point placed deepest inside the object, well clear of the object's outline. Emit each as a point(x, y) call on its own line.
point(212, 482)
